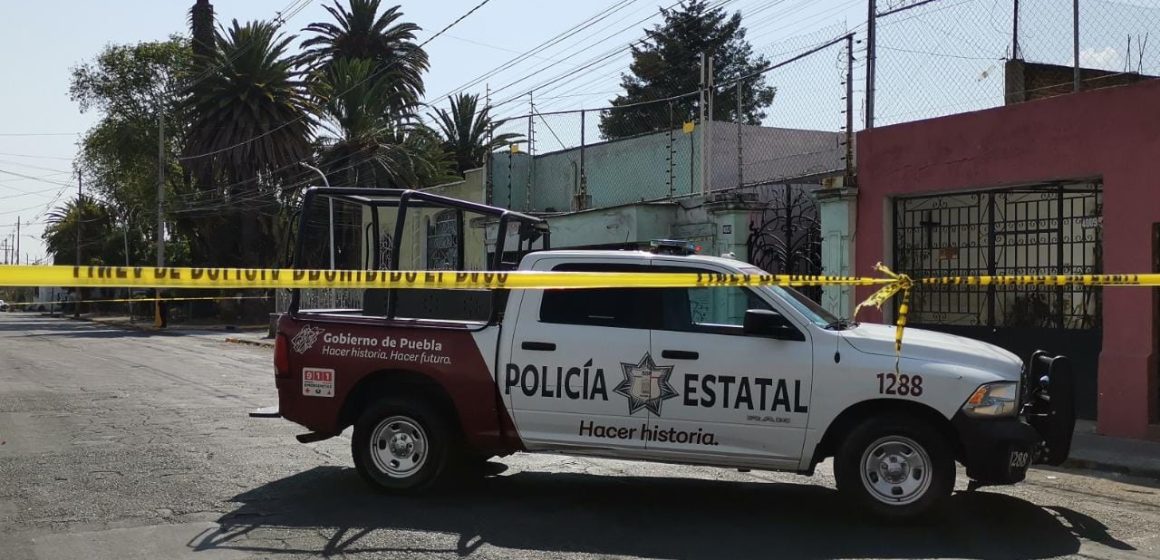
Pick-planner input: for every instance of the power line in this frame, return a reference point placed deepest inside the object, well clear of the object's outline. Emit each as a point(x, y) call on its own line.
point(592, 20)
point(37, 167)
point(34, 178)
point(36, 156)
point(556, 82)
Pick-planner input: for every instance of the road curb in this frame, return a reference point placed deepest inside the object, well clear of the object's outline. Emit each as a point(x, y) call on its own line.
point(250, 342)
point(1104, 466)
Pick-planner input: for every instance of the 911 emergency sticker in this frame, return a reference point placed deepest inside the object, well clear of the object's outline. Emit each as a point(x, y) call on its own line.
point(317, 382)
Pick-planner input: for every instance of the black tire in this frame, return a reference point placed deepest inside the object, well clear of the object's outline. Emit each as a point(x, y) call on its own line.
point(395, 423)
point(914, 462)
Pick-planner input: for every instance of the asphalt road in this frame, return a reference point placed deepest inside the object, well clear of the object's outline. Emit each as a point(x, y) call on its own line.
point(119, 444)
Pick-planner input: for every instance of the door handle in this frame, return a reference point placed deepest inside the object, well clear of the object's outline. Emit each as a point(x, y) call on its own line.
point(679, 355)
point(542, 346)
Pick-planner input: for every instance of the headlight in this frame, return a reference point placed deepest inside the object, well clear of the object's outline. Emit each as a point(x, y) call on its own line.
point(993, 399)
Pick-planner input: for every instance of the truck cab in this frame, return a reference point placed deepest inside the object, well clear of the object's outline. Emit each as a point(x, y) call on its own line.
point(752, 377)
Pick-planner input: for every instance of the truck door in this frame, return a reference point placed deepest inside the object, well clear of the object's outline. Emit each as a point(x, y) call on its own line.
point(564, 379)
point(742, 397)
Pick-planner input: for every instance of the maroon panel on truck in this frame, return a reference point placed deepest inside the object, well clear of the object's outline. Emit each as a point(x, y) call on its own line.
point(330, 355)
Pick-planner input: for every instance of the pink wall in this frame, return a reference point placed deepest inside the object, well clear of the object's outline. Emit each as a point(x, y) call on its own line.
point(1111, 133)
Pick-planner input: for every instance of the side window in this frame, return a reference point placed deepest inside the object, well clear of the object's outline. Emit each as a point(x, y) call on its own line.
point(628, 308)
point(717, 310)
point(722, 306)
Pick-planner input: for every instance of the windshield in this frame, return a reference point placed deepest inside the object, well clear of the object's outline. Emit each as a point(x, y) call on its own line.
point(804, 305)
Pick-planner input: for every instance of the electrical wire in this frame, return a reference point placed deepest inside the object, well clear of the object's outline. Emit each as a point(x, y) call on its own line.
point(35, 156)
point(592, 20)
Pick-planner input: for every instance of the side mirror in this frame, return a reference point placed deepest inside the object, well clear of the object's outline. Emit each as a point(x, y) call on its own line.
point(764, 322)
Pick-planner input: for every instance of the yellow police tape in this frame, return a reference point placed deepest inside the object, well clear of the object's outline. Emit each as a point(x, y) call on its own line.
point(249, 278)
point(253, 278)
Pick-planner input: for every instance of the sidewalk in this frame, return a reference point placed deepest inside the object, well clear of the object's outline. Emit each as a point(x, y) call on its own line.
point(126, 322)
point(1090, 450)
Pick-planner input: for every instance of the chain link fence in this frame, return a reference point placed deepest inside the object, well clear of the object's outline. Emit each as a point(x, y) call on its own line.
point(791, 120)
point(939, 57)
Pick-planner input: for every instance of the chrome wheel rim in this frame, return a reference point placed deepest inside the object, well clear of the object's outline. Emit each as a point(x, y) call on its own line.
point(896, 470)
point(399, 446)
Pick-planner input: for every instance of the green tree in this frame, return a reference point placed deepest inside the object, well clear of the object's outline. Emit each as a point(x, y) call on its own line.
point(362, 32)
point(666, 64)
point(250, 124)
point(369, 140)
point(467, 131)
point(131, 86)
point(99, 237)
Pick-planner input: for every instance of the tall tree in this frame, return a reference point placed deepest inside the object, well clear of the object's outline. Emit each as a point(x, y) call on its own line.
point(362, 32)
point(665, 64)
point(250, 125)
point(131, 86)
point(101, 240)
point(466, 128)
point(201, 28)
point(369, 141)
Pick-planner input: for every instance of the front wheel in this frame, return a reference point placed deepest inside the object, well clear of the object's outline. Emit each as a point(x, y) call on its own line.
point(400, 446)
point(895, 467)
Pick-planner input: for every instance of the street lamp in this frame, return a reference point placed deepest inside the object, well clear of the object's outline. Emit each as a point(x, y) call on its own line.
point(330, 202)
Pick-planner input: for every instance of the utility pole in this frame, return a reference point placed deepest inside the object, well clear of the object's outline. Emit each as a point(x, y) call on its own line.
point(706, 115)
point(871, 58)
point(1075, 44)
point(1015, 32)
point(18, 240)
point(158, 314)
point(80, 222)
point(740, 144)
point(531, 151)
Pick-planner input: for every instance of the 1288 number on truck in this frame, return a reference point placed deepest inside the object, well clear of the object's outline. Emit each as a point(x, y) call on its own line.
point(900, 384)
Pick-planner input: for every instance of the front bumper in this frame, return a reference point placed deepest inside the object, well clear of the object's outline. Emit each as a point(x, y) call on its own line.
point(997, 450)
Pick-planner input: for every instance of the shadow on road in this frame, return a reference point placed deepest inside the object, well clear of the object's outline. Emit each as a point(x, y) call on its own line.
point(654, 517)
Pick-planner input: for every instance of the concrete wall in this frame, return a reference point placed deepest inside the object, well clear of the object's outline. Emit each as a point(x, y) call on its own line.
point(662, 165)
point(1108, 133)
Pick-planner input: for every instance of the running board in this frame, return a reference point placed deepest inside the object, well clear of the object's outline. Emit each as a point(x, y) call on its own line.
point(267, 412)
point(311, 437)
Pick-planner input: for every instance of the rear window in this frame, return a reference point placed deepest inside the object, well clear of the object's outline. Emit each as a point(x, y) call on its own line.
point(628, 308)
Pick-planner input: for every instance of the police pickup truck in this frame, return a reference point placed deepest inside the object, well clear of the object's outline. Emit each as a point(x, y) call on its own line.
point(435, 382)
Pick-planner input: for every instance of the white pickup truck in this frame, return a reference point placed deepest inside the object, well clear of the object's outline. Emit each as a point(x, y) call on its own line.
point(736, 377)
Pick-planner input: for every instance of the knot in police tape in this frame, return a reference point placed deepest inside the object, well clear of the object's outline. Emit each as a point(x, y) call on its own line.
point(898, 283)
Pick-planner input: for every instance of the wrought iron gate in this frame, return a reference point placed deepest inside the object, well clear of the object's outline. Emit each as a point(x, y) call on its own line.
point(785, 237)
point(1044, 229)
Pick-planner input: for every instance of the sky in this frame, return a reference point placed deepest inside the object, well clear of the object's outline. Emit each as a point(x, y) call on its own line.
point(929, 65)
point(40, 126)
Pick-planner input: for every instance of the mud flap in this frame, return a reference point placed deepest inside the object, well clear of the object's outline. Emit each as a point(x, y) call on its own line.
point(1049, 405)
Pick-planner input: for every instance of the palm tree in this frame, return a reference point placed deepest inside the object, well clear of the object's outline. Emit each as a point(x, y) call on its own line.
point(467, 133)
point(373, 138)
point(252, 116)
point(250, 125)
point(361, 32)
point(96, 223)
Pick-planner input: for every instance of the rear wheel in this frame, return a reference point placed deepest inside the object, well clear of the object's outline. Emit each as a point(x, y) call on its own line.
point(895, 467)
point(401, 446)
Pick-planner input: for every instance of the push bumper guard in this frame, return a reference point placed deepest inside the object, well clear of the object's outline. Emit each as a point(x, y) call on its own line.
point(1000, 450)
